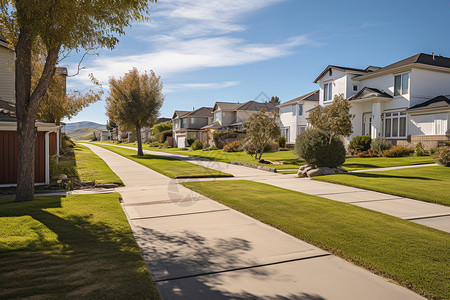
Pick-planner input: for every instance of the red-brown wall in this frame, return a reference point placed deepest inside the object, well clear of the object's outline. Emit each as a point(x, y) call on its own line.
point(9, 148)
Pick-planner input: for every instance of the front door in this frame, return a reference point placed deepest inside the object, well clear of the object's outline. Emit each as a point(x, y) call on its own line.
point(367, 124)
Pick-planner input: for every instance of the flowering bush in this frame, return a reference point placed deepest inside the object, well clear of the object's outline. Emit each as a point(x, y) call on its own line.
point(398, 151)
point(443, 156)
point(232, 147)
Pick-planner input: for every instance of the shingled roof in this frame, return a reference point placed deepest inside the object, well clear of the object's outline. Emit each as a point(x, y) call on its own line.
point(312, 96)
point(257, 106)
point(204, 112)
point(438, 102)
point(368, 92)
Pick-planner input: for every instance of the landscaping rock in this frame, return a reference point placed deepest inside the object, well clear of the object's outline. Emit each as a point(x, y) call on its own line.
point(62, 177)
point(314, 173)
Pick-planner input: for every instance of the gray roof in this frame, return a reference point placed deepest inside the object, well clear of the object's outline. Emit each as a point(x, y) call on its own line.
point(7, 111)
point(212, 125)
point(227, 105)
point(205, 112)
point(438, 102)
point(367, 92)
point(421, 58)
point(179, 113)
point(257, 106)
point(162, 120)
point(312, 96)
point(362, 71)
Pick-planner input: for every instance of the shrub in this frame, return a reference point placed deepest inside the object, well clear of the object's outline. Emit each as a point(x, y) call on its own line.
point(283, 149)
point(154, 144)
point(268, 147)
point(190, 141)
point(433, 151)
point(164, 145)
point(443, 156)
point(398, 151)
point(164, 134)
point(210, 148)
point(313, 145)
point(222, 138)
point(232, 147)
point(157, 129)
point(360, 143)
point(249, 148)
point(420, 151)
point(185, 149)
point(282, 142)
point(369, 153)
point(379, 145)
point(197, 145)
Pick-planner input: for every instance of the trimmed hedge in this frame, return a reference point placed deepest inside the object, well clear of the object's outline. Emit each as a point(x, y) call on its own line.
point(197, 145)
point(360, 143)
point(222, 138)
point(232, 147)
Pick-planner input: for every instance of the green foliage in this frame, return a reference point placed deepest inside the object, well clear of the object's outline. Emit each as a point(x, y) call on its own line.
point(360, 143)
point(210, 148)
point(222, 138)
point(334, 118)
point(282, 142)
point(154, 144)
point(274, 100)
point(232, 147)
point(110, 125)
point(94, 137)
point(420, 150)
point(197, 145)
point(190, 141)
point(164, 134)
point(443, 156)
point(262, 129)
point(318, 148)
point(379, 145)
point(158, 128)
point(398, 151)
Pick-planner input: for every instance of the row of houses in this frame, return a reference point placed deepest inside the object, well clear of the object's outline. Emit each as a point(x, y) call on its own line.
point(406, 102)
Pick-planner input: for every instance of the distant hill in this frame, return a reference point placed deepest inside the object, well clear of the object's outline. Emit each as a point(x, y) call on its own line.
point(84, 124)
point(84, 133)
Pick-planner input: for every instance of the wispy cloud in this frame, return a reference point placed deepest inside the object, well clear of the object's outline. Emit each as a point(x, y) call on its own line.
point(176, 87)
point(185, 36)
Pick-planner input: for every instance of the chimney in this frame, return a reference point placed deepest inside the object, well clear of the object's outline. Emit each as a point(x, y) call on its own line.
point(432, 53)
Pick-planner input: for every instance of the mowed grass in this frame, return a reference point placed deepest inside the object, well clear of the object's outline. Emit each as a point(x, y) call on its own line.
point(84, 165)
point(430, 184)
point(173, 168)
point(415, 256)
point(361, 163)
point(70, 247)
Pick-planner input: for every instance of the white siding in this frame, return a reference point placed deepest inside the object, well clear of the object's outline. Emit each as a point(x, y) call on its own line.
point(6, 75)
point(436, 124)
point(427, 84)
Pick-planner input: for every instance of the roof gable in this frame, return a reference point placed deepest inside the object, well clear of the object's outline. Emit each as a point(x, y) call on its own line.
point(312, 96)
point(438, 102)
point(344, 69)
point(368, 92)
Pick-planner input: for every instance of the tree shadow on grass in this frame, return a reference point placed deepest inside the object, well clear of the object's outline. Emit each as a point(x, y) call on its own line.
point(374, 175)
point(88, 260)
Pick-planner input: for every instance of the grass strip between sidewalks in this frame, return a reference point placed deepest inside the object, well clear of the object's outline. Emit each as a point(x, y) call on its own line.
point(413, 255)
point(173, 168)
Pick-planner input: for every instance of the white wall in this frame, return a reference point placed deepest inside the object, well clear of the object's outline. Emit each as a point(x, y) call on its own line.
point(426, 124)
point(7, 75)
point(427, 84)
point(287, 119)
point(339, 79)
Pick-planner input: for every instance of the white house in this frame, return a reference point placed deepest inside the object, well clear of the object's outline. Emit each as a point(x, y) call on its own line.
point(294, 114)
point(406, 102)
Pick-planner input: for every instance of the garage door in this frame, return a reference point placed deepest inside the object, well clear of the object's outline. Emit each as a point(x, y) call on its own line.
point(181, 141)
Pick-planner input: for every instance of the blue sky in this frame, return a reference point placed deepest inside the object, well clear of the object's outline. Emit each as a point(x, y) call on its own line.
point(215, 50)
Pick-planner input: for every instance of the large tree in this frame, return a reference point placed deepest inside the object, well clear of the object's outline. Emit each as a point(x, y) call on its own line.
point(134, 101)
point(334, 118)
point(275, 100)
point(262, 128)
point(61, 26)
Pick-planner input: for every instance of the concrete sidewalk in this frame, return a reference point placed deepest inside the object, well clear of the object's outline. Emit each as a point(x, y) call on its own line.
point(197, 248)
point(428, 214)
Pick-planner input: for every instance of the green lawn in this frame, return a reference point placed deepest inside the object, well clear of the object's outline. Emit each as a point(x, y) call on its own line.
point(288, 160)
point(62, 247)
point(84, 165)
point(173, 168)
point(431, 184)
point(415, 256)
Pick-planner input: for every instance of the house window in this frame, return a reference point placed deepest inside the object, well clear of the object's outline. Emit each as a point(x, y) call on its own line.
point(355, 88)
point(300, 109)
point(401, 84)
point(285, 133)
point(217, 116)
point(192, 120)
point(300, 129)
point(293, 110)
point(395, 125)
point(328, 91)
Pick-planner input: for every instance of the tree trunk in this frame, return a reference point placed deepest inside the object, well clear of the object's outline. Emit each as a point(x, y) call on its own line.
point(260, 153)
point(27, 106)
point(139, 140)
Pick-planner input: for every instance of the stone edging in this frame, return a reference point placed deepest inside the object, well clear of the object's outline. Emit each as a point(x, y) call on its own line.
point(264, 168)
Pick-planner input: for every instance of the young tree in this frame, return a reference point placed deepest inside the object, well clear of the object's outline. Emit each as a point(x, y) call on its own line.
point(334, 118)
point(275, 100)
point(134, 101)
point(262, 128)
point(158, 128)
point(61, 26)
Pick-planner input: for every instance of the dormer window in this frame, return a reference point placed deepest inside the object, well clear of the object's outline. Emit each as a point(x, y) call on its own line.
point(401, 84)
point(328, 91)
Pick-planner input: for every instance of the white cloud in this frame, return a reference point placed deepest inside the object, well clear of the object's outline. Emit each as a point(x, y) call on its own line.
point(176, 87)
point(192, 35)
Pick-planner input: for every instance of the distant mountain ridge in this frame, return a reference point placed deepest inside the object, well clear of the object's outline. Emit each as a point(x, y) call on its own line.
point(84, 124)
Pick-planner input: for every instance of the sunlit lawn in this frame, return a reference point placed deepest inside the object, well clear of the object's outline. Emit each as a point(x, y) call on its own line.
point(70, 247)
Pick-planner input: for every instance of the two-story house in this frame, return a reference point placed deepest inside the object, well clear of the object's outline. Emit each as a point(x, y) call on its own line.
point(294, 115)
point(47, 137)
point(188, 124)
point(406, 102)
